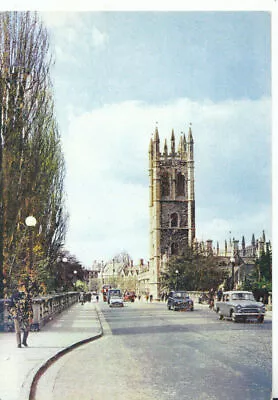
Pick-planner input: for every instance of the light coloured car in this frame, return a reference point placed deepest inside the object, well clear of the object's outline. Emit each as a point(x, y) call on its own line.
point(240, 306)
point(116, 301)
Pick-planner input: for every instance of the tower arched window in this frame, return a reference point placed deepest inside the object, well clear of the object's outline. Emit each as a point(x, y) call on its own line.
point(174, 249)
point(180, 184)
point(174, 220)
point(165, 184)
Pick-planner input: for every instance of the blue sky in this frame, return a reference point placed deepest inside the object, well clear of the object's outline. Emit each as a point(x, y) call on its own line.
point(118, 73)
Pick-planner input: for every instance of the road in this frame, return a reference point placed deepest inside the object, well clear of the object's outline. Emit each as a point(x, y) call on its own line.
point(148, 353)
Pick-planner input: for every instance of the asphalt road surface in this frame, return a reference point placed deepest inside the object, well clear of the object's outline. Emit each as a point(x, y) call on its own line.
point(150, 353)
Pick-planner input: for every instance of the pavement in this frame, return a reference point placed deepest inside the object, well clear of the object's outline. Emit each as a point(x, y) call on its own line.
point(20, 368)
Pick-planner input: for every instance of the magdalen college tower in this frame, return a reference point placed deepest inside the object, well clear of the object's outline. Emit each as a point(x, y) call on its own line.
point(172, 202)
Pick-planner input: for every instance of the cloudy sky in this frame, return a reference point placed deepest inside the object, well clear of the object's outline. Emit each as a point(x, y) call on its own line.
point(118, 73)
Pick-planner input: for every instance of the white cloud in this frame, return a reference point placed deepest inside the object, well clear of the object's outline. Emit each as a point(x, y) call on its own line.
point(107, 172)
point(99, 38)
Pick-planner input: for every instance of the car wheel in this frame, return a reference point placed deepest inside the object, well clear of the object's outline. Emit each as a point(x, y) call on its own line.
point(261, 319)
point(233, 316)
point(221, 317)
point(169, 307)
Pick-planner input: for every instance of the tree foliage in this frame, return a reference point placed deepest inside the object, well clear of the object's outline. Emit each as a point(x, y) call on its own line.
point(32, 163)
point(261, 276)
point(193, 271)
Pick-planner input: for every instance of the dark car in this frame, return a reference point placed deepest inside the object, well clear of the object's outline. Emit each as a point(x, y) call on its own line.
point(180, 300)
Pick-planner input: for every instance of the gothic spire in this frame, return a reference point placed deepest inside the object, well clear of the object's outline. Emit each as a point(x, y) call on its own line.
point(173, 142)
point(190, 137)
point(156, 136)
point(165, 148)
point(181, 145)
point(151, 146)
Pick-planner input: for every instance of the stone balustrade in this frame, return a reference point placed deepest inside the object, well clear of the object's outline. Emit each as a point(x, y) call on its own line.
point(44, 309)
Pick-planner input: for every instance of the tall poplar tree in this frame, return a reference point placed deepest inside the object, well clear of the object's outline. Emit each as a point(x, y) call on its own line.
point(31, 159)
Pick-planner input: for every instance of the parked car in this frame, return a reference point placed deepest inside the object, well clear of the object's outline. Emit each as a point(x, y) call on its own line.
point(180, 300)
point(240, 306)
point(116, 301)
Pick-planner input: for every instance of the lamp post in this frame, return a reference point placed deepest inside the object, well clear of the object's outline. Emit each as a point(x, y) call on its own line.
point(232, 260)
point(102, 272)
point(75, 278)
point(64, 279)
point(31, 222)
point(177, 274)
point(113, 282)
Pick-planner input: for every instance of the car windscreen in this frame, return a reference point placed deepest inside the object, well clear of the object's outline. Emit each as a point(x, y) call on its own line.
point(242, 296)
point(181, 295)
point(115, 292)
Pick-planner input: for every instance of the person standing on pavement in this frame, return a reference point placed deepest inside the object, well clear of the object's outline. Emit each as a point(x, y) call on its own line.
point(22, 313)
point(211, 299)
point(219, 294)
point(81, 298)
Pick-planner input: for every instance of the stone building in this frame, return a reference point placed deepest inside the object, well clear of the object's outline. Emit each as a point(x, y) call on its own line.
point(172, 201)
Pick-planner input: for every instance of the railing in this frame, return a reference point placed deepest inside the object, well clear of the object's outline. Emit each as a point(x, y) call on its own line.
point(44, 310)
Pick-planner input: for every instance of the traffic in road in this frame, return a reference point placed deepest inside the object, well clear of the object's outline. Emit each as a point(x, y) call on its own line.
point(149, 352)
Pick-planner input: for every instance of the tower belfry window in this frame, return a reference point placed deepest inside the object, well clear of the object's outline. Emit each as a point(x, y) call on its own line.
point(180, 184)
point(174, 220)
point(174, 249)
point(165, 184)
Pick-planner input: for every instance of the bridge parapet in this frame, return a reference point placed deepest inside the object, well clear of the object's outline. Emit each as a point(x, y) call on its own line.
point(44, 309)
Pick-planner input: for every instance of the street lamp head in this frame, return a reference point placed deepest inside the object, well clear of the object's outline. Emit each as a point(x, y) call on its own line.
point(64, 259)
point(30, 221)
point(177, 271)
point(75, 272)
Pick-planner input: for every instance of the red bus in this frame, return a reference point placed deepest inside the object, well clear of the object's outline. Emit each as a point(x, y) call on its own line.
point(104, 291)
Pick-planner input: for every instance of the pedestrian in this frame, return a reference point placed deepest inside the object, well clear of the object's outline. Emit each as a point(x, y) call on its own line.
point(147, 297)
point(211, 298)
point(151, 298)
point(219, 294)
point(97, 298)
point(22, 313)
point(81, 298)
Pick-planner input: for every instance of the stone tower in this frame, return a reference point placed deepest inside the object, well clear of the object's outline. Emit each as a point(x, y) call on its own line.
point(172, 201)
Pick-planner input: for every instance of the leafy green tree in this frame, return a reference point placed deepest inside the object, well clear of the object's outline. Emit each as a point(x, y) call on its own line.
point(261, 276)
point(193, 271)
point(265, 265)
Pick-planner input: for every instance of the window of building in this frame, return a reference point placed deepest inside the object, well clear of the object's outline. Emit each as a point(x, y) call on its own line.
point(174, 248)
point(174, 220)
point(165, 184)
point(180, 184)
